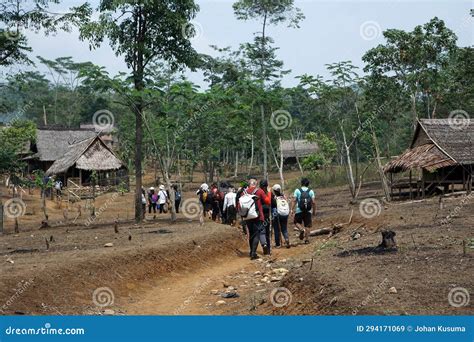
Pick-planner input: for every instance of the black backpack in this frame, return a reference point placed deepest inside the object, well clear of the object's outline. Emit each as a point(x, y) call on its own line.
point(305, 202)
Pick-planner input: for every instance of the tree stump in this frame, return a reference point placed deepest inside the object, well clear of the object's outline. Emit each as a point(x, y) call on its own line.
point(388, 240)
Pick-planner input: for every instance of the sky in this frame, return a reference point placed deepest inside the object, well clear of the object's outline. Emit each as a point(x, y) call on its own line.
point(332, 31)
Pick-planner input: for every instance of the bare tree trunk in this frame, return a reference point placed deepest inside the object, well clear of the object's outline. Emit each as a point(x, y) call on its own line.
point(252, 152)
point(264, 132)
point(349, 164)
point(383, 179)
point(236, 169)
point(413, 109)
point(172, 195)
point(279, 164)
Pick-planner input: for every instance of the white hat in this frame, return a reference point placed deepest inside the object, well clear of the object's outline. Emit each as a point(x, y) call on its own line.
point(152, 188)
point(204, 187)
point(276, 187)
point(162, 187)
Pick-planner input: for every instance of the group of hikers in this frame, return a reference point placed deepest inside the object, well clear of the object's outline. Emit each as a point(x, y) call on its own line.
point(159, 200)
point(259, 208)
point(262, 211)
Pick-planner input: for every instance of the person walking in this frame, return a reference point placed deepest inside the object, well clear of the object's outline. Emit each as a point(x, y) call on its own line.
point(205, 199)
point(229, 207)
point(152, 199)
point(280, 214)
point(305, 204)
point(177, 198)
point(267, 213)
point(143, 202)
point(250, 207)
point(216, 196)
point(243, 186)
point(162, 199)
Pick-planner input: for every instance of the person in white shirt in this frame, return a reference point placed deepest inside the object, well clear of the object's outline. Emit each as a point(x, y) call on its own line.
point(162, 199)
point(230, 206)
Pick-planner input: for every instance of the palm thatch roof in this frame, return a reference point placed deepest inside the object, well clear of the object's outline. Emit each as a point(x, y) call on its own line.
point(437, 143)
point(89, 154)
point(52, 144)
point(454, 137)
point(298, 148)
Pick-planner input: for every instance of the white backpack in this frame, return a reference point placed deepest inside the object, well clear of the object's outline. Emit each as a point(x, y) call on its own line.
point(283, 208)
point(247, 205)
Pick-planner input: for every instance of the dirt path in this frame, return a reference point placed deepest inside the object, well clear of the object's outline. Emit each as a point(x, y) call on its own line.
point(190, 293)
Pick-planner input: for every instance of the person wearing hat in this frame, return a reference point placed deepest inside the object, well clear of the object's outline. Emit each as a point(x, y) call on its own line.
point(152, 199)
point(280, 214)
point(204, 198)
point(162, 199)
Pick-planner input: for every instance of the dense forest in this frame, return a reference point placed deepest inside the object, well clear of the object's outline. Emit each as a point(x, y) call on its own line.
point(238, 120)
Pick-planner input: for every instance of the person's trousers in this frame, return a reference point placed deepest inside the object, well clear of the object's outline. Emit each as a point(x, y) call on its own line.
point(151, 205)
point(176, 205)
point(280, 226)
point(256, 235)
point(267, 226)
point(162, 207)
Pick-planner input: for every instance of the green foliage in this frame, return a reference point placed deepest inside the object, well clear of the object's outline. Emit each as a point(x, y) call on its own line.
point(325, 155)
point(13, 140)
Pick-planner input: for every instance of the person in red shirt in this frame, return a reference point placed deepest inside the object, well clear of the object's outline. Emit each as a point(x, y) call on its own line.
point(256, 226)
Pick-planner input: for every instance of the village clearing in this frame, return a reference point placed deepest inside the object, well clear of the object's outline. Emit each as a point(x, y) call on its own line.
point(187, 269)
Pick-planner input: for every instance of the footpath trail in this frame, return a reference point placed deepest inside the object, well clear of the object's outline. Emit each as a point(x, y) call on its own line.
point(191, 293)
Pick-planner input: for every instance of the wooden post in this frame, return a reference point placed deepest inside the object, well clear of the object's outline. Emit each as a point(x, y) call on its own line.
point(411, 191)
point(464, 179)
point(422, 183)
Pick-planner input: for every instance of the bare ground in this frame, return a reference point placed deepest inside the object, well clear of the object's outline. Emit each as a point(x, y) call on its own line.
point(183, 268)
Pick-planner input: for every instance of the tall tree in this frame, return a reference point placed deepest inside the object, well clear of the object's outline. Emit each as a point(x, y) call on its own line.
point(415, 60)
point(268, 12)
point(142, 32)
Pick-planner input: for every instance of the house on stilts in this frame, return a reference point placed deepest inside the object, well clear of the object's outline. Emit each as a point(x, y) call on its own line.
point(440, 160)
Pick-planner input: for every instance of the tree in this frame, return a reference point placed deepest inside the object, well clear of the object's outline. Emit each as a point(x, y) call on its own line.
point(415, 60)
point(143, 32)
point(16, 15)
point(269, 12)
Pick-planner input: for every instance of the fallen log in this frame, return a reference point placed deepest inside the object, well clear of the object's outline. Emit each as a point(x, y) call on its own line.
point(336, 228)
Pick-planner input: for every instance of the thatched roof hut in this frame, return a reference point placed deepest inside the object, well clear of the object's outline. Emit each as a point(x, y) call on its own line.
point(298, 148)
point(52, 144)
point(441, 152)
point(91, 155)
point(437, 143)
